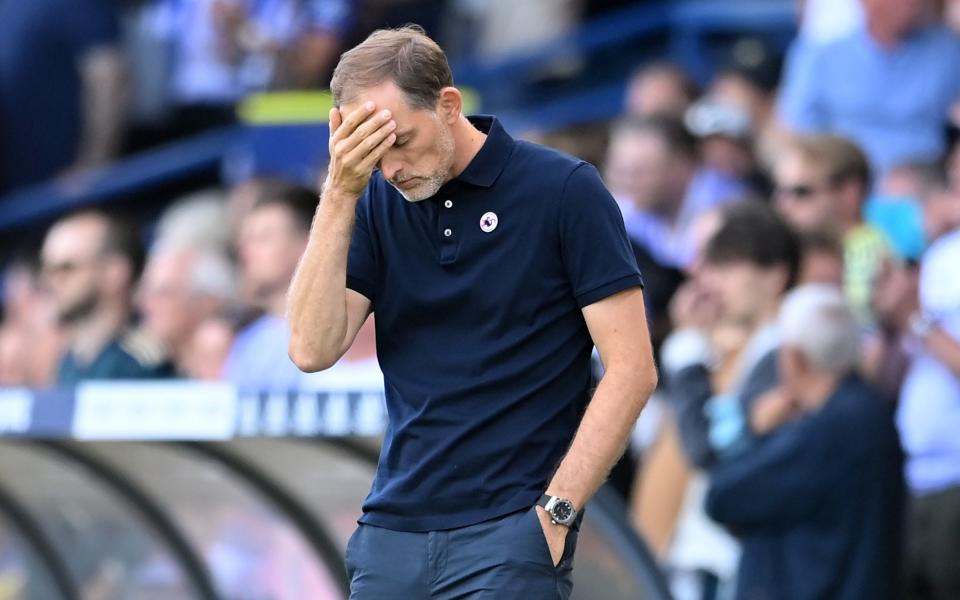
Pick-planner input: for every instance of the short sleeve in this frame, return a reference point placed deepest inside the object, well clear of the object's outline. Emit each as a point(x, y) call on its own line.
point(798, 106)
point(96, 26)
point(362, 256)
point(596, 251)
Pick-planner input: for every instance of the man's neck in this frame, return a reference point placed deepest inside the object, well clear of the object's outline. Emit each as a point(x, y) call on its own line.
point(90, 336)
point(467, 143)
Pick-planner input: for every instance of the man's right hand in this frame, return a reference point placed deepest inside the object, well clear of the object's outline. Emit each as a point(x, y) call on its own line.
point(358, 142)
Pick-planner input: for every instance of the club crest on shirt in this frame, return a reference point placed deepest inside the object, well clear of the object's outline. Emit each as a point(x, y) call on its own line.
point(488, 222)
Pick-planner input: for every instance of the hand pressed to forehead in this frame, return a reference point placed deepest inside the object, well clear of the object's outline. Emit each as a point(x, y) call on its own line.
point(358, 140)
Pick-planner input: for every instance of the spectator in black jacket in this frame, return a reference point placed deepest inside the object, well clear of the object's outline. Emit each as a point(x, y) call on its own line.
point(817, 500)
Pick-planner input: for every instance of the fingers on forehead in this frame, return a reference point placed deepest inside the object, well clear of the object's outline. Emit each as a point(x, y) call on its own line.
point(360, 113)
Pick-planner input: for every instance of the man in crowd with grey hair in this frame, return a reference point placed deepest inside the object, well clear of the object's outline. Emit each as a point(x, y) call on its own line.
point(181, 288)
point(818, 499)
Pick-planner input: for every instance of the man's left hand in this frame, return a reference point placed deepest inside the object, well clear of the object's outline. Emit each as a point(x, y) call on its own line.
point(556, 535)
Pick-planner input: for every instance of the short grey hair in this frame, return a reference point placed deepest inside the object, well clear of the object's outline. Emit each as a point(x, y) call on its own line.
point(198, 220)
point(817, 320)
point(210, 272)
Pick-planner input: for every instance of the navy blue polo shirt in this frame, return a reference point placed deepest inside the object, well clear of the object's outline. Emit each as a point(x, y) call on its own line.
point(478, 294)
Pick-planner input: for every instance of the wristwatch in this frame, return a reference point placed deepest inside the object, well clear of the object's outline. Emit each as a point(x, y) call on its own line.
point(561, 510)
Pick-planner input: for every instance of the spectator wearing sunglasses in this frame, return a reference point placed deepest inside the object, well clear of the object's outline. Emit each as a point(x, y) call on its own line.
point(821, 184)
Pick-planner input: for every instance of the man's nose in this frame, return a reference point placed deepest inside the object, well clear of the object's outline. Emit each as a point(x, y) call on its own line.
point(390, 167)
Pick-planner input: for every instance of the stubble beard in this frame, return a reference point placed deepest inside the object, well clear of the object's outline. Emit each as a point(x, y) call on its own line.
point(79, 311)
point(433, 182)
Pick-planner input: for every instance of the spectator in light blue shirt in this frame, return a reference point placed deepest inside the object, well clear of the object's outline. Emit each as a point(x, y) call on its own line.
point(889, 86)
point(661, 187)
point(272, 238)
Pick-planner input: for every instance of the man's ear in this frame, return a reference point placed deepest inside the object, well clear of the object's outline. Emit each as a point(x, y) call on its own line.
point(450, 104)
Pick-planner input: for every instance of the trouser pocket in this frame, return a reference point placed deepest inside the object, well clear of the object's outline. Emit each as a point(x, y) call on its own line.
point(569, 547)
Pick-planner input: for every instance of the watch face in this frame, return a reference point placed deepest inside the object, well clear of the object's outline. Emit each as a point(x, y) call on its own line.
point(562, 511)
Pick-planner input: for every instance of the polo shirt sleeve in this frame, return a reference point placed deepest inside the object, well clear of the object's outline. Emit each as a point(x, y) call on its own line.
point(362, 265)
point(596, 251)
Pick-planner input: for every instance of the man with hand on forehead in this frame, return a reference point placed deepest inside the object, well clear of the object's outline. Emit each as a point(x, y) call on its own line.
point(493, 266)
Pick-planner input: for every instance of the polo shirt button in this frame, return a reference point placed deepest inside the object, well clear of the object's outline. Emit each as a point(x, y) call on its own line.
point(448, 203)
point(447, 232)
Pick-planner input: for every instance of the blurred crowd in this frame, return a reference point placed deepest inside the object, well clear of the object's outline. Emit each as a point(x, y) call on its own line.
point(83, 83)
point(796, 220)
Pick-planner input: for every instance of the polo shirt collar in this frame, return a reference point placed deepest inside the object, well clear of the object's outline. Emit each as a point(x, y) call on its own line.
point(489, 162)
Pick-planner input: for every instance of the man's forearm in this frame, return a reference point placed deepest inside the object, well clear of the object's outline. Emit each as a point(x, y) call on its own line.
point(316, 301)
point(603, 433)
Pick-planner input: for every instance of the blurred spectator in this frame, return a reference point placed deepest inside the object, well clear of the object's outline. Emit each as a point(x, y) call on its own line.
point(182, 287)
point(951, 14)
point(748, 264)
point(929, 419)
point(726, 142)
point(358, 369)
point(884, 357)
point(198, 220)
point(889, 86)
point(822, 182)
point(273, 236)
point(224, 49)
point(823, 21)
point(749, 81)
point(242, 197)
point(29, 317)
point(818, 516)
point(905, 191)
point(660, 88)
point(653, 171)
point(821, 259)
point(91, 262)
point(510, 27)
point(13, 362)
point(208, 349)
point(719, 359)
point(62, 90)
point(941, 212)
point(896, 208)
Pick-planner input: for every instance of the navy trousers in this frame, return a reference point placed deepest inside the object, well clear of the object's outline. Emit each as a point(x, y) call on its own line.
point(505, 558)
